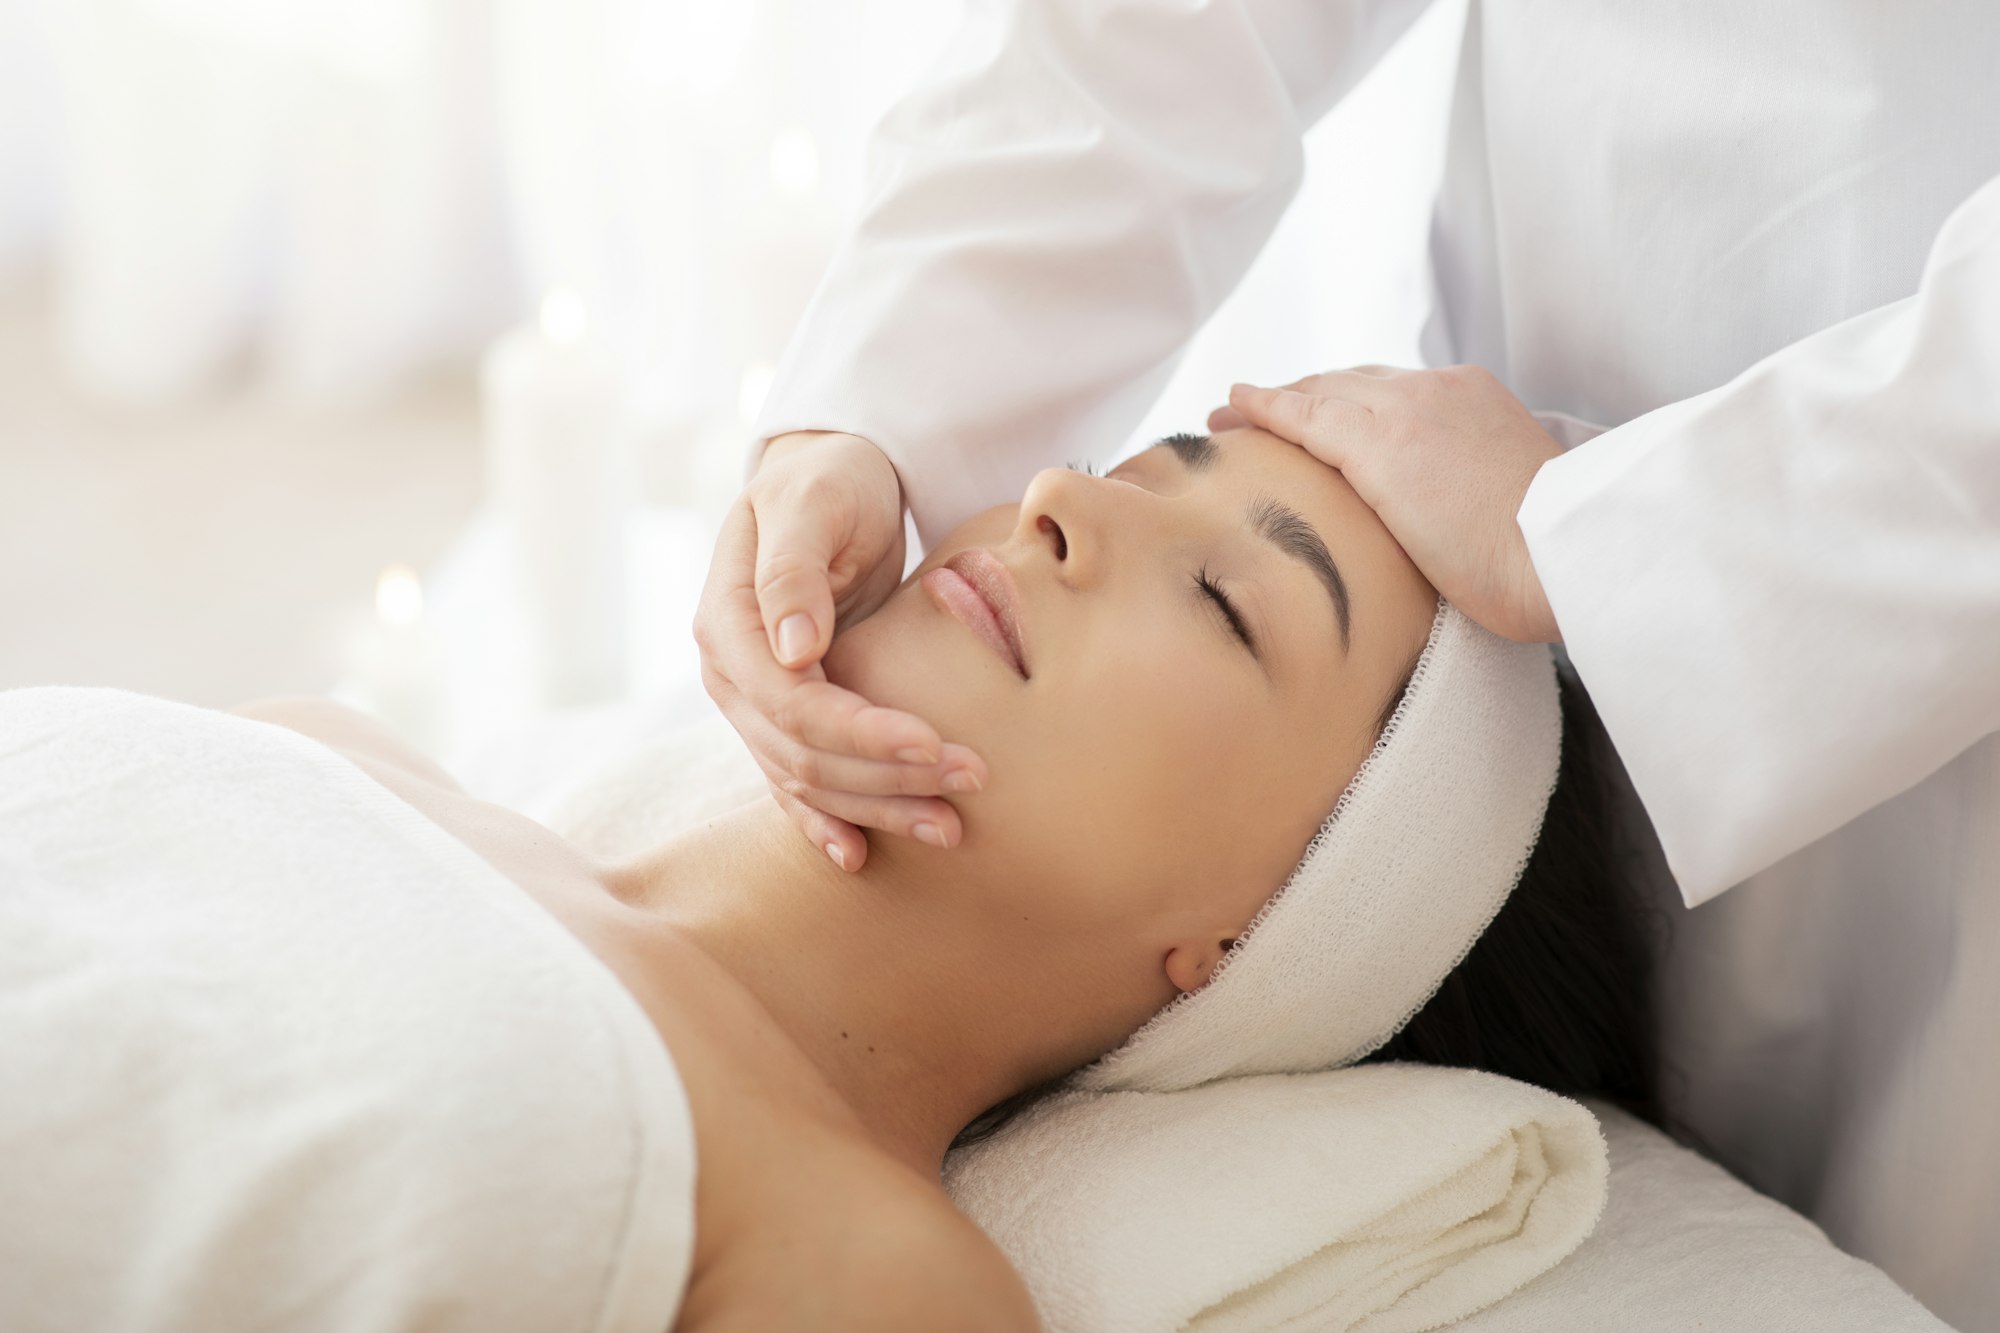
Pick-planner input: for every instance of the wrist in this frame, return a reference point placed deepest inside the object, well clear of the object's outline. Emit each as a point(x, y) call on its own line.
point(792, 441)
point(1531, 600)
point(799, 441)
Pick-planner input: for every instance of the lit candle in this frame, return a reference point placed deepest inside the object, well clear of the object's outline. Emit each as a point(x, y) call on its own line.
point(396, 666)
point(554, 408)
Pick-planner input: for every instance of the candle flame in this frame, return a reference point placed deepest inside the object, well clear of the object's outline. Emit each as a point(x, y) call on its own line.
point(563, 316)
point(399, 596)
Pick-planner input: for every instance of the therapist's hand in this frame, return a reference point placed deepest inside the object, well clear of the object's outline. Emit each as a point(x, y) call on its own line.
point(815, 538)
point(1444, 457)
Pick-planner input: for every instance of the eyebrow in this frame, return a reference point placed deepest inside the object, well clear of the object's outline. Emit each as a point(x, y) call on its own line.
point(1279, 524)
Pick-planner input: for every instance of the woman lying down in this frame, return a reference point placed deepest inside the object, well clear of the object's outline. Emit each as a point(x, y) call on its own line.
point(299, 1035)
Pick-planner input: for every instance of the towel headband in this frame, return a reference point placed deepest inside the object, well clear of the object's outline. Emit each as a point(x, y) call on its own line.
point(1402, 878)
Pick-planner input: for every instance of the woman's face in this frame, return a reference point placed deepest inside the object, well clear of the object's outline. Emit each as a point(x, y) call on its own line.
point(1153, 777)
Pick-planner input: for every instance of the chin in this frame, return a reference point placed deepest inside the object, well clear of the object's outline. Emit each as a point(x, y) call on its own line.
point(877, 658)
point(908, 657)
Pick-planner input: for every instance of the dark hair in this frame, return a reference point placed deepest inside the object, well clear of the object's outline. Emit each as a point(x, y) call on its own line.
point(1557, 991)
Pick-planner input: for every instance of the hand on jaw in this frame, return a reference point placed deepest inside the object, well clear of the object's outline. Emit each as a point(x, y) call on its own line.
point(817, 536)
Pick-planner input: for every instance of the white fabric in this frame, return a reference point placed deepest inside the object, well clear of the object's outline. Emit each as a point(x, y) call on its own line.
point(1387, 1198)
point(1637, 206)
point(281, 1053)
point(1855, 476)
point(1683, 1245)
point(1393, 890)
point(1829, 1028)
point(336, 194)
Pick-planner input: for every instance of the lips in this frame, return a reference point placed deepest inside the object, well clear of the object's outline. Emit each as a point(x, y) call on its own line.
point(977, 589)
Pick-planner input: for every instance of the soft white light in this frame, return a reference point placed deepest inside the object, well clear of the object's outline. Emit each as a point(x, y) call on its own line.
point(751, 392)
point(368, 39)
point(563, 317)
point(794, 161)
point(399, 596)
point(689, 49)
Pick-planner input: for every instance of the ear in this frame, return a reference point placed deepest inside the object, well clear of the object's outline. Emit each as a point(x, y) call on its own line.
point(1190, 966)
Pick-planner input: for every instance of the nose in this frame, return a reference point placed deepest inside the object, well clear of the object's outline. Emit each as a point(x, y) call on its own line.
point(1068, 514)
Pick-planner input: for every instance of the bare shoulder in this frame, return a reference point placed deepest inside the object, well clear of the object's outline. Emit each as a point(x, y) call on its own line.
point(951, 1275)
point(347, 730)
point(853, 1241)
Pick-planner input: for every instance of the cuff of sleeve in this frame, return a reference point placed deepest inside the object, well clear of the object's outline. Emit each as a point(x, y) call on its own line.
point(1617, 597)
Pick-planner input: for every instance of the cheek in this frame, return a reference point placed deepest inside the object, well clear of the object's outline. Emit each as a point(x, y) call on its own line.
point(1143, 766)
point(1144, 762)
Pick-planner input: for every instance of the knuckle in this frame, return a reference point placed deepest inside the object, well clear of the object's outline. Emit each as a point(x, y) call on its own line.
point(821, 485)
point(714, 679)
point(1322, 412)
point(1420, 389)
point(776, 567)
point(808, 767)
point(810, 491)
point(784, 715)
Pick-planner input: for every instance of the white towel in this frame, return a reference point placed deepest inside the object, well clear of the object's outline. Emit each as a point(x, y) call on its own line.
point(280, 1053)
point(1377, 1198)
point(1386, 1198)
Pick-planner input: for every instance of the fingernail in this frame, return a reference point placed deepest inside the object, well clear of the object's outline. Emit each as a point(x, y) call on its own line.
point(961, 779)
point(838, 857)
point(795, 636)
point(916, 754)
point(930, 833)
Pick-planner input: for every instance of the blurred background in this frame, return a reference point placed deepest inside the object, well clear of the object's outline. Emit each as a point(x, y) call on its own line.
point(405, 349)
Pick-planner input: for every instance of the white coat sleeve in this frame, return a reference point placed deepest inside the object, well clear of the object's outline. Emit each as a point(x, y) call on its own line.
point(1784, 594)
point(1075, 189)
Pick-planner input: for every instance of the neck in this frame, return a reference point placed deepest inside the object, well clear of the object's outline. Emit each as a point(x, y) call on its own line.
point(905, 989)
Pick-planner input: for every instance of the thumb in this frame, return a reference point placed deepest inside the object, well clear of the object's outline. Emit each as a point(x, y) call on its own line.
point(1323, 425)
point(795, 548)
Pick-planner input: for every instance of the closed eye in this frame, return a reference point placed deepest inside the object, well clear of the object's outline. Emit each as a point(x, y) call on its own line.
point(1213, 591)
point(1208, 588)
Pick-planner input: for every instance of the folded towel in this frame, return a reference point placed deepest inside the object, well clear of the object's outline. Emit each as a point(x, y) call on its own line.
point(1387, 1198)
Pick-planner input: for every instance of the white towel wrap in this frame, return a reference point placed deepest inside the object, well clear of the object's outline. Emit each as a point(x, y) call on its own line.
point(1420, 851)
point(281, 1053)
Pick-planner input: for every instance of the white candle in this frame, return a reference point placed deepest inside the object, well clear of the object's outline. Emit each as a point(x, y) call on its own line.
point(396, 663)
point(555, 435)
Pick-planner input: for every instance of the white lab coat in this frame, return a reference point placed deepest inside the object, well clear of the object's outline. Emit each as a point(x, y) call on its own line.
point(1717, 226)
